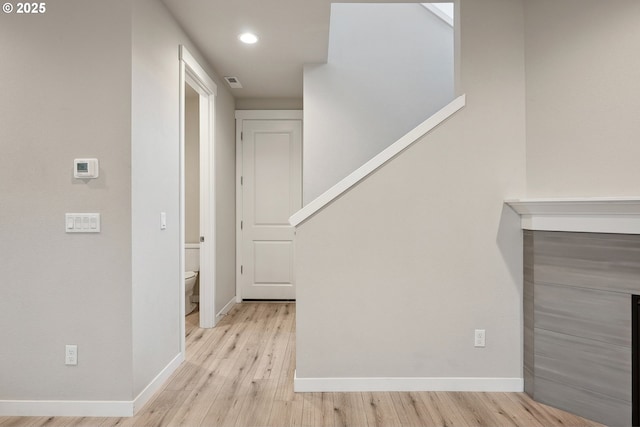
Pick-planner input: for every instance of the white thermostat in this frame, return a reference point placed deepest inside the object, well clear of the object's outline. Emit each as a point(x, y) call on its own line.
point(86, 168)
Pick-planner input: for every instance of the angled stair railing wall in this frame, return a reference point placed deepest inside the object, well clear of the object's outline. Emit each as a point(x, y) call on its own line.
point(389, 67)
point(378, 161)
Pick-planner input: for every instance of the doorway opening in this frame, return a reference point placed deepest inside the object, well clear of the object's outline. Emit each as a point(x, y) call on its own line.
point(197, 113)
point(635, 357)
point(192, 198)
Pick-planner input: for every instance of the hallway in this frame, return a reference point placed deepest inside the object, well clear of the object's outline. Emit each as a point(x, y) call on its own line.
point(241, 374)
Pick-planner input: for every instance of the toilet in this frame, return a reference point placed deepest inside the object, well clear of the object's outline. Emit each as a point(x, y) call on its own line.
point(192, 267)
point(189, 283)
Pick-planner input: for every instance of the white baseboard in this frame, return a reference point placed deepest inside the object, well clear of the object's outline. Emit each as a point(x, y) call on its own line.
point(304, 385)
point(156, 384)
point(87, 408)
point(65, 408)
point(226, 309)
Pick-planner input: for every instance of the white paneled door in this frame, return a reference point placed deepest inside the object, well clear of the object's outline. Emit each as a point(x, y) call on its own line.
point(271, 193)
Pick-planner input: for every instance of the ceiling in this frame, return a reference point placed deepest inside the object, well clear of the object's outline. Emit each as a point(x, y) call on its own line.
point(292, 33)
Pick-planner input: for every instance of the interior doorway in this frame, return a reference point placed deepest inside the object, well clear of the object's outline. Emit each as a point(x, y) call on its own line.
point(635, 359)
point(192, 180)
point(195, 83)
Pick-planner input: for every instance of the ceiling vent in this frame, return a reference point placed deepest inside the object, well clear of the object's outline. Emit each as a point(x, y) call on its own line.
point(233, 82)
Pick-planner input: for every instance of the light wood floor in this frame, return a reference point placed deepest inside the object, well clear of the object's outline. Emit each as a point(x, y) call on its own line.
point(241, 374)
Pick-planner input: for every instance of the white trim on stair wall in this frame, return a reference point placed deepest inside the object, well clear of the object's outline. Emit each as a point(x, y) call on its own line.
point(439, 13)
point(383, 157)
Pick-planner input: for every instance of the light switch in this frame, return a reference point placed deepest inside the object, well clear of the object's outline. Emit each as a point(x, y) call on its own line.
point(163, 220)
point(82, 222)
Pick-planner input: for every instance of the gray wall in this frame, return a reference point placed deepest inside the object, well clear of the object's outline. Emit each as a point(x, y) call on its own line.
point(395, 275)
point(390, 67)
point(192, 166)
point(66, 87)
point(582, 98)
point(96, 79)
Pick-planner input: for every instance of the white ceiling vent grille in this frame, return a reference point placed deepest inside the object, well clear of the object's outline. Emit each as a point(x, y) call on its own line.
point(233, 82)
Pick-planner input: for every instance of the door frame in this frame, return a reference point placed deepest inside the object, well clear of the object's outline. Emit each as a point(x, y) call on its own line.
point(242, 115)
point(193, 74)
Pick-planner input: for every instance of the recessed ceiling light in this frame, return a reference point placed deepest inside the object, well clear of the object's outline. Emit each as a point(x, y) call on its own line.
point(248, 38)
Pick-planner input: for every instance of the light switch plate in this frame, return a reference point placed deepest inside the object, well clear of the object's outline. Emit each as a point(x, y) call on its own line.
point(82, 222)
point(163, 220)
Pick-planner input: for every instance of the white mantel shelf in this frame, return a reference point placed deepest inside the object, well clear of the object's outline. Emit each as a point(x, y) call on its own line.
point(588, 215)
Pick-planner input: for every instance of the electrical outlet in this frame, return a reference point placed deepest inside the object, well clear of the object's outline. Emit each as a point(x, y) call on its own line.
point(71, 354)
point(479, 340)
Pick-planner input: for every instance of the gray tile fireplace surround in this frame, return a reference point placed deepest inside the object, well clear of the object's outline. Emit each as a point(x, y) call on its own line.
point(577, 321)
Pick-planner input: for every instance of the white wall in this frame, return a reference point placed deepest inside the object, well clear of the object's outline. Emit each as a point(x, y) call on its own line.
point(156, 286)
point(583, 98)
point(269, 104)
point(225, 175)
point(65, 79)
point(395, 275)
point(155, 189)
point(390, 67)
